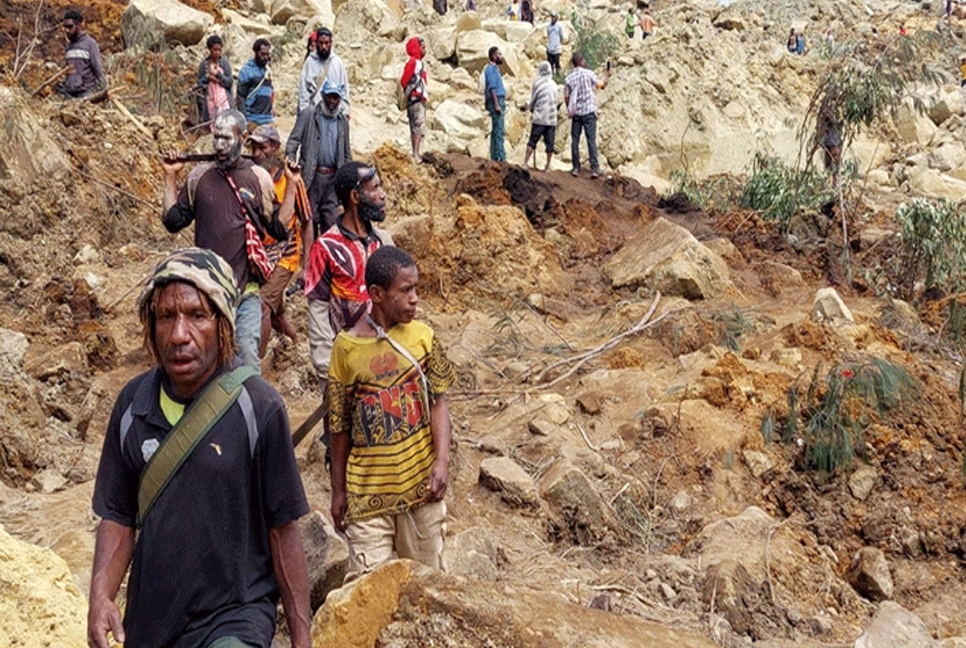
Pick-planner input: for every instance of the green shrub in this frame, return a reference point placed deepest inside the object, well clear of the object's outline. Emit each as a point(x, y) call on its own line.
point(596, 44)
point(933, 249)
point(779, 191)
point(836, 411)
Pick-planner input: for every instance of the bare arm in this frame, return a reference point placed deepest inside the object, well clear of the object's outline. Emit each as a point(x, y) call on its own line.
point(171, 181)
point(439, 427)
point(340, 459)
point(113, 549)
point(287, 208)
point(288, 559)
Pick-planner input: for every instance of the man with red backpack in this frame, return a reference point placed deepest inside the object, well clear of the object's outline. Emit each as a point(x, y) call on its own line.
point(413, 82)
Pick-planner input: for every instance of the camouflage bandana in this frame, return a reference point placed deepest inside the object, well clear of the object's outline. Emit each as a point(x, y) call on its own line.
point(204, 270)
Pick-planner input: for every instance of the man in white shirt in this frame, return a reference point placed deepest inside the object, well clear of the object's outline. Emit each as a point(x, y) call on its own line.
point(321, 65)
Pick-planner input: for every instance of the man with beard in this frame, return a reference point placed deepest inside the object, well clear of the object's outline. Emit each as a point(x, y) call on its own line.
point(321, 140)
point(322, 65)
point(390, 425)
point(296, 213)
point(197, 488)
point(494, 95)
point(256, 96)
point(218, 197)
point(84, 57)
point(335, 276)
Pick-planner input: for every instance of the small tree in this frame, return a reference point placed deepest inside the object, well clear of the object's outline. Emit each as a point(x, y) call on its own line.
point(860, 85)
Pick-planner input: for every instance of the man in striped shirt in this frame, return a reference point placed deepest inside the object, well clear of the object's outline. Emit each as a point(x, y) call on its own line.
point(582, 109)
point(390, 425)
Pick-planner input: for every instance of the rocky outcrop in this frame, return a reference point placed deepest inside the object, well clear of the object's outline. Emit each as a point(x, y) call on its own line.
point(666, 257)
point(39, 603)
point(151, 23)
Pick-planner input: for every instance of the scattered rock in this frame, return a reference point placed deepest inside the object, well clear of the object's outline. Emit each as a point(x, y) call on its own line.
point(460, 120)
point(48, 481)
point(542, 427)
point(65, 360)
point(283, 10)
point(40, 605)
point(504, 476)
point(820, 625)
point(87, 255)
point(681, 502)
point(869, 574)
point(493, 445)
point(758, 462)
point(666, 257)
point(893, 626)
point(779, 274)
point(147, 23)
point(581, 514)
point(13, 347)
point(475, 553)
point(861, 481)
point(667, 591)
point(589, 403)
point(787, 357)
point(828, 307)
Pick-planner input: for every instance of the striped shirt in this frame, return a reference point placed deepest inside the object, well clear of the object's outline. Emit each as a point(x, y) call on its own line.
point(579, 87)
point(543, 101)
point(376, 395)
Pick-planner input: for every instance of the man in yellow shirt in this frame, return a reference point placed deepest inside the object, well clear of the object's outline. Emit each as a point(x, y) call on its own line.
point(289, 255)
point(390, 425)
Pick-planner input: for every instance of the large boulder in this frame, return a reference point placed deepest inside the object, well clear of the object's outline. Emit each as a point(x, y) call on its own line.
point(829, 308)
point(666, 257)
point(460, 120)
point(27, 151)
point(403, 603)
point(579, 511)
point(356, 21)
point(39, 603)
point(947, 156)
point(933, 184)
point(283, 10)
point(893, 626)
point(472, 52)
point(505, 476)
point(511, 31)
point(914, 127)
point(152, 23)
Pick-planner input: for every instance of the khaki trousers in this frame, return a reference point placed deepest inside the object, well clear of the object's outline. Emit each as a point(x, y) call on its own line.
point(416, 534)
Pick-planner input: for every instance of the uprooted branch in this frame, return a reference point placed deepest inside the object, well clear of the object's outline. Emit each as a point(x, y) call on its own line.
point(579, 360)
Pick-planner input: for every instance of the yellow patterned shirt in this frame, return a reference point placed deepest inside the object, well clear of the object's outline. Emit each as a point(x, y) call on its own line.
point(376, 395)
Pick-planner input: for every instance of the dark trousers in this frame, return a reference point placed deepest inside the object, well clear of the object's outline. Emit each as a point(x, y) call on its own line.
point(589, 125)
point(554, 60)
point(324, 202)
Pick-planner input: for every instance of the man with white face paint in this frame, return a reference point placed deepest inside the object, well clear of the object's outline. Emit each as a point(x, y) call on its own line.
point(218, 197)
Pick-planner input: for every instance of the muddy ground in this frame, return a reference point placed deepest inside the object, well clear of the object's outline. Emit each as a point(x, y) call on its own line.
point(511, 271)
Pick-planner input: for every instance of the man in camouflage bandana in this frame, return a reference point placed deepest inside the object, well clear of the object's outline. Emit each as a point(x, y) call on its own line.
point(220, 544)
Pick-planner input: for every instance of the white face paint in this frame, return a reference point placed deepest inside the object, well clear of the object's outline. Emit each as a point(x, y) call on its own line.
point(227, 143)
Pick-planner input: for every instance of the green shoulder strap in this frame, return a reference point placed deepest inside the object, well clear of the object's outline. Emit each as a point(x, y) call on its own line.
point(186, 434)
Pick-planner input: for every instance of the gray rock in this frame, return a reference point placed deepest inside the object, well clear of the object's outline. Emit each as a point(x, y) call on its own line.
point(283, 10)
point(667, 591)
point(820, 624)
point(150, 22)
point(493, 445)
point(666, 257)
point(681, 502)
point(541, 427)
point(828, 307)
point(506, 477)
point(869, 574)
point(862, 481)
point(48, 481)
point(315, 541)
point(893, 626)
point(474, 552)
point(758, 462)
point(86, 255)
point(460, 120)
point(13, 347)
point(578, 509)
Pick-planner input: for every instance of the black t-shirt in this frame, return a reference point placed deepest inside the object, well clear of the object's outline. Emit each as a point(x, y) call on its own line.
point(202, 565)
point(207, 199)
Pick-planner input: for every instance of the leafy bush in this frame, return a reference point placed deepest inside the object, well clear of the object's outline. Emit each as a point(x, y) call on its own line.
point(596, 44)
point(933, 248)
point(833, 414)
point(779, 191)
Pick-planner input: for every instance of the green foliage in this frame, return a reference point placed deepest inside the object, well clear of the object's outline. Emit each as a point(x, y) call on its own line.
point(861, 83)
point(596, 44)
point(837, 410)
point(731, 325)
point(933, 249)
point(779, 191)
